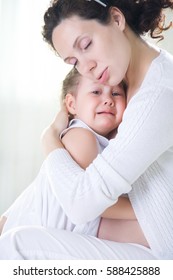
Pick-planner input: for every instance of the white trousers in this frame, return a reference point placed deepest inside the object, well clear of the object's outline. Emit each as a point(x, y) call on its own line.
point(38, 206)
point(38, 243)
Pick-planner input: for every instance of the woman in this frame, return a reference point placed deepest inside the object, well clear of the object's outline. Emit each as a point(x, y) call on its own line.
point(102, 40)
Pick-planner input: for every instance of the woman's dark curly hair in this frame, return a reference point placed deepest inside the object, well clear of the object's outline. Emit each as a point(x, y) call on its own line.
point(142, 16)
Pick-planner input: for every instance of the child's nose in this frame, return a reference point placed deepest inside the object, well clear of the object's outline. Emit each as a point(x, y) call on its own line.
point(109, 102)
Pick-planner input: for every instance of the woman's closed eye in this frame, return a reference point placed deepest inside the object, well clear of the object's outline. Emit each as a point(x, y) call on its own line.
point(72, 61)
point(87, 46)
point(84, 48)
point(75, 64)
point(84, 44)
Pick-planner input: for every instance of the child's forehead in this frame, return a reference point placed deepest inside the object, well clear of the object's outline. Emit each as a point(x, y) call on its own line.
point(87, 82)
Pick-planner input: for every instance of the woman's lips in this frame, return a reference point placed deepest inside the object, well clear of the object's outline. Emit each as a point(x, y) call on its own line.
point(104, 76)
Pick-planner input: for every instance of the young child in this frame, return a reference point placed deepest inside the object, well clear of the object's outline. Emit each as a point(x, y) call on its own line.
point(118, 223)
point(96, 114)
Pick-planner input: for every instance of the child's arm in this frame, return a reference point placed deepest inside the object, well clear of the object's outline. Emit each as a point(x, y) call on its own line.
point(83, 147)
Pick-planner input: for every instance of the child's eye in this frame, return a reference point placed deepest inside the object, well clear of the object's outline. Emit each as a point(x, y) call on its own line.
point(115, 93)
point(96, 92)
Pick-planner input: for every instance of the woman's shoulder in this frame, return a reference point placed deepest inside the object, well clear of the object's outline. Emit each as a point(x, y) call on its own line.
point(164, 63)
point(159, 74)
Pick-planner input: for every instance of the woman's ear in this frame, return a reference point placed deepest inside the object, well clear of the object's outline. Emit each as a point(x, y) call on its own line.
point(70, 103)
point(118, 18)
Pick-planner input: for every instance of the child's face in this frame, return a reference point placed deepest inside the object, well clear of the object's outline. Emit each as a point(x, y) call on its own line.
point(100, 107)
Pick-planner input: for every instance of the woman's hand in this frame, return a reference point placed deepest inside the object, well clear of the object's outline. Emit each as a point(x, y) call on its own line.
point(50, 136)
point(61, 120)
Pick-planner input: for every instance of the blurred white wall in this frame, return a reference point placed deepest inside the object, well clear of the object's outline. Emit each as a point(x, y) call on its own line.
point(30, 80)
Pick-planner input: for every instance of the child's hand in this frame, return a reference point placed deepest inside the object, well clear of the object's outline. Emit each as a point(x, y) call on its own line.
point(50, 136)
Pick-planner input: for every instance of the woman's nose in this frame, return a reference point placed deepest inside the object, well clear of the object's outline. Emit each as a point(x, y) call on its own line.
point(86, 67)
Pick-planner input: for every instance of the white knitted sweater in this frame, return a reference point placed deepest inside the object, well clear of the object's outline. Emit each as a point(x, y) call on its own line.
point(139, 161)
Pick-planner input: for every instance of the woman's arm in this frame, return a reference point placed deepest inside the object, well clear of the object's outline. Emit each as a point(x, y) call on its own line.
point(52, 144)
point(83, 147)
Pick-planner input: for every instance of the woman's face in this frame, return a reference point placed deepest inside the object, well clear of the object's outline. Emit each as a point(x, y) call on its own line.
point(99, 52)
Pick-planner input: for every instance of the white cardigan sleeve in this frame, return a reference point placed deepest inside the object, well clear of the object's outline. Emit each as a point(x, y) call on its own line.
point(145, 133)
